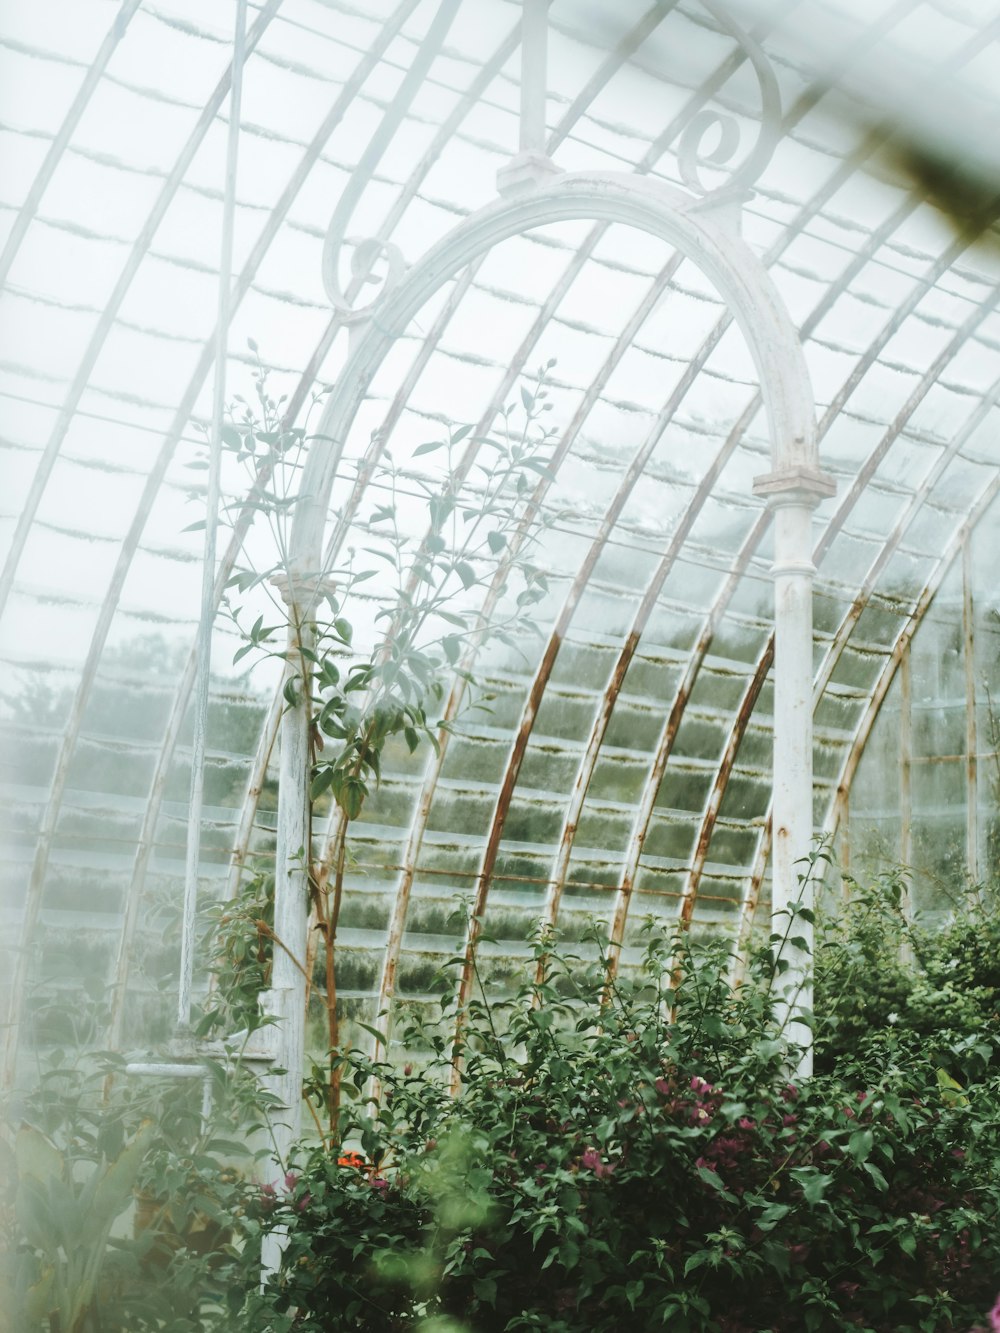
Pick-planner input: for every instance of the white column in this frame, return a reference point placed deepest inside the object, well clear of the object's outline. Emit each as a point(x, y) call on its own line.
point(793, 494)
point(531, 166)
point(286, 999)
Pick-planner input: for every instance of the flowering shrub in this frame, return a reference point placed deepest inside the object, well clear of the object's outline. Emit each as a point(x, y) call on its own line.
point(604, 1169)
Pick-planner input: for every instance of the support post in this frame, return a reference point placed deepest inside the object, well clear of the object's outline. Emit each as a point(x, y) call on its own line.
point(286, 999)
point(793, 494)
point(212, 497)
point(531, 166)
point(972, 859)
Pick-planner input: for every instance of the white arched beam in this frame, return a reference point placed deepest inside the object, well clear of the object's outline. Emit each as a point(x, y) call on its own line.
point(743, 285)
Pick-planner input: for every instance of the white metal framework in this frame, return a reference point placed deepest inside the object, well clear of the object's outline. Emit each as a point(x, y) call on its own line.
point(667, 200)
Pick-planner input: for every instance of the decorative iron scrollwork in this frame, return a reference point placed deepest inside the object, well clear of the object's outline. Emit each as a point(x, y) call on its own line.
point(367, 251)
point(691, 156)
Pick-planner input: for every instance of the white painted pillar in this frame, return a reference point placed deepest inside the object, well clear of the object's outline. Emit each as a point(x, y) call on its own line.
point(531, 165)
point(286, 999)
point(793, 494)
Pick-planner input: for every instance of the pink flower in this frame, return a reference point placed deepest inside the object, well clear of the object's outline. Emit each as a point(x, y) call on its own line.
point(994, 1316)
point(291, 1180)
point(591, 1160)
point(662, 1087)
point(745, 1122)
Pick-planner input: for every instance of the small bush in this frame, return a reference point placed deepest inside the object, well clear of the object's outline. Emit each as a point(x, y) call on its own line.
point(605, 1168)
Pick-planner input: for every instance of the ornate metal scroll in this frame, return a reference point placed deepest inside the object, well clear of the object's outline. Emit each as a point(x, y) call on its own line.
point(691, 153)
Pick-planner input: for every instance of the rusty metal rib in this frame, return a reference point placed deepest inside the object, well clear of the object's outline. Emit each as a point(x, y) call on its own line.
point(844, 507)
point(881, 688)
point(854, 612)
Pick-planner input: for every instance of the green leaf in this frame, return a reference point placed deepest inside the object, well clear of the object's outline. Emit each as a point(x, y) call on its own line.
point(497, 541)
point(485, 1289)
point(35, 1155)
point(880, 1182)
point(860, 1144)
point(814, 1183)
point(908, 1243)
point(466, 573)
point(322, 780)
point(114, 1190)
point(343, 628)
point(428, 448)
point(352, 797)
point(540, 468)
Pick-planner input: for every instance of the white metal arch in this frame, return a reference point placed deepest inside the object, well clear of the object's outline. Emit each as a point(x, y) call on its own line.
point(705, 236)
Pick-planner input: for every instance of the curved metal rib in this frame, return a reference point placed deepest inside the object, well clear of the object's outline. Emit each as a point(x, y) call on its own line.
point(39, 185)
point(843, 509)
point(81, 379)
point(179, 706)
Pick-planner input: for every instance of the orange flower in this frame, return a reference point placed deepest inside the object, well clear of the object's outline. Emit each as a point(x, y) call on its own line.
point(352, 1159)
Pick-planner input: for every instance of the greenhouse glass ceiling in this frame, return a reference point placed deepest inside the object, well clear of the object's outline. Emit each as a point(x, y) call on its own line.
point(647, 239)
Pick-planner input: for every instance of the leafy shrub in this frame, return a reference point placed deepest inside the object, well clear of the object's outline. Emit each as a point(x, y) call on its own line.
point(877, 972)
point(605, 1168)
point(122, 1205)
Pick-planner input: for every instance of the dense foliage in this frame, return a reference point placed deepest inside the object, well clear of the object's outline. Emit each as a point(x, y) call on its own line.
point(605, 1168)
point(633, 1155)
point(878, 972)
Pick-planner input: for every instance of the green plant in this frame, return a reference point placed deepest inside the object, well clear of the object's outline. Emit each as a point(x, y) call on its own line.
point(125, 1199)
point(479, 526)
point(880, 975)
point(605, 1168)
point(66, 1220)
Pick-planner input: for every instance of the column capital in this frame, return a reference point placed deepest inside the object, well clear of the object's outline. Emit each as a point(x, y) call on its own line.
point(800, 485)
point(526, 171)
point(296, 589)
